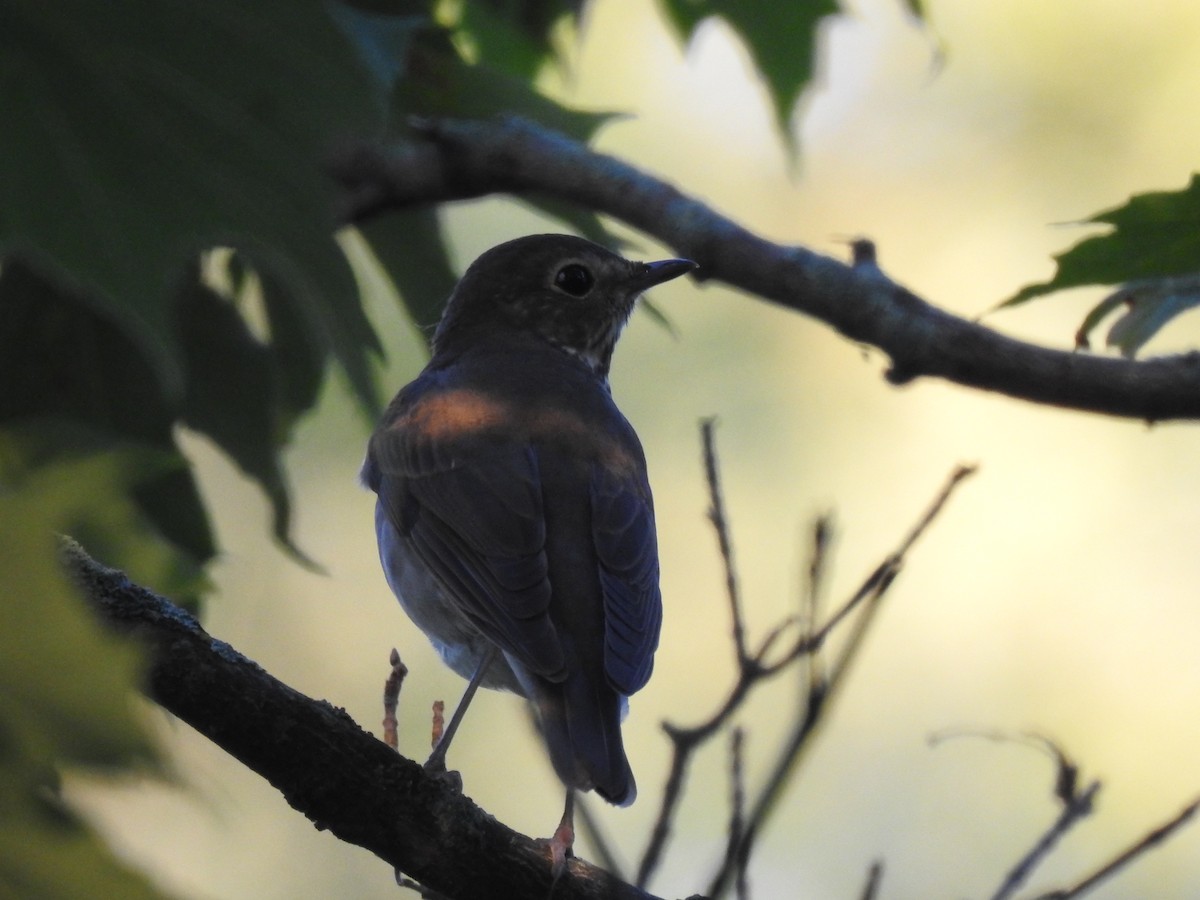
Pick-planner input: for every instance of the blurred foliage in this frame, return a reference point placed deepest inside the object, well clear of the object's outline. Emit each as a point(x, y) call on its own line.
point(1152, 248)
point(780, 38)
point(1149, 305)
point(147, 131)
point(144, 134)
point(67, 683)
point(151, 134)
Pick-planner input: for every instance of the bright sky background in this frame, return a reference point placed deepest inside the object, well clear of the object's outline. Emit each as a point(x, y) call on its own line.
point(1058, 593)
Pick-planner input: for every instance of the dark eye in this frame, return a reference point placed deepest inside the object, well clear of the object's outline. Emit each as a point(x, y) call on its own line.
point(574, 279)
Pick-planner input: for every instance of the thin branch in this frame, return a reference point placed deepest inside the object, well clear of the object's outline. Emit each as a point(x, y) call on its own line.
point(737, 808)
point(391, 698)
point(1077, 804)
point(818, 560)
point(720, 522)
point(877, 583)
point(685, 741)
point(874, 879)
point(821, 690)
point(786, 762)
point(458, 159)
point(1079, 807)
point(599, 840)
point(810, 613)
point(1066, 770)
point(961, 472)
point(682, 745)
point(1152, 839)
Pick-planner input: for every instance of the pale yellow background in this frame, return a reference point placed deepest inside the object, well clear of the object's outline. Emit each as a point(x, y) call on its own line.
point(1058, 593)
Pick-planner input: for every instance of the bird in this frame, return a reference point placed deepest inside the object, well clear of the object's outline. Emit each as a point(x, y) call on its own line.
point(514, 515)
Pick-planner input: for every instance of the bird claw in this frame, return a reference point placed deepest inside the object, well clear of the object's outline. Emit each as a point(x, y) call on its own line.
point(561, 846)
point(436, 768)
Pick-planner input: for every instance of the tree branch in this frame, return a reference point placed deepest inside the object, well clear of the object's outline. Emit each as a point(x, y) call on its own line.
point(343, 779)
point(1147, 842)
point(456, 159)
point(754, 669)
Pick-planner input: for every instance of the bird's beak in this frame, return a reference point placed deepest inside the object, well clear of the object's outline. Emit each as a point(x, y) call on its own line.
point(647, 275)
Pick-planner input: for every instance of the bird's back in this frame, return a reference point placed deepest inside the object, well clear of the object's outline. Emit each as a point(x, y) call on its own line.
point(509, 475)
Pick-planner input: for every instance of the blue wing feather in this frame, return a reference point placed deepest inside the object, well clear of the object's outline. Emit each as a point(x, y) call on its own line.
point(627, 548)
point(471, 510)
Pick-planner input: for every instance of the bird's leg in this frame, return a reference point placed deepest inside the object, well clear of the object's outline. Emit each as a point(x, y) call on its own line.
point(563, 841)
point(437, 759)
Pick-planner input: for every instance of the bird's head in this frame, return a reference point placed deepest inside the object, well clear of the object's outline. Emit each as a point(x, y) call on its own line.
point(568, 291)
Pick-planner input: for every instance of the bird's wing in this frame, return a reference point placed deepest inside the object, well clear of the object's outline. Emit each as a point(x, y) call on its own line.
point(470, 508)
point(624, 536)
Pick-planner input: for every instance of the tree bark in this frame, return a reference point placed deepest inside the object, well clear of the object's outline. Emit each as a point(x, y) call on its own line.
point(457, 159)
point(342, 778)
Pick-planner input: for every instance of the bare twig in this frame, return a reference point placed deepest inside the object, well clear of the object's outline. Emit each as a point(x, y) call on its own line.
point(1079, 806)
point(1152, 839)
point(810, 614)
point(822, 538)
point(874, 879)
point(599, 840)
point(878, 582)
point(822, 689)
point(437, 723)
point(458, 159)
point(1077, 803)
point(754, 668)
point(716, 514)
point(1066, 778)
point(391, 699)
point(737, 804)
point(682, 745)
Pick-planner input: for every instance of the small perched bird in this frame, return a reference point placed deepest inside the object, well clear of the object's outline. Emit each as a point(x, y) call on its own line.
point(514, 515)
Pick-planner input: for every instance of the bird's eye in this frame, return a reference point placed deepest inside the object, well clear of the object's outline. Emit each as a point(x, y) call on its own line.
point(575, 279)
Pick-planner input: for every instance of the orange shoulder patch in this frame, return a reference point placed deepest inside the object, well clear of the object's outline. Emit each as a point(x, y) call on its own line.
point(446, 415)
point(569, 428)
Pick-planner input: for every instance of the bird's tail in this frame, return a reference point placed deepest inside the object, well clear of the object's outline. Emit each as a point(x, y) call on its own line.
point(581, 724)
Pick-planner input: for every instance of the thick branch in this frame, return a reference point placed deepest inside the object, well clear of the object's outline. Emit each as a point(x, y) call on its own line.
point(454, 159)
point(343, 779)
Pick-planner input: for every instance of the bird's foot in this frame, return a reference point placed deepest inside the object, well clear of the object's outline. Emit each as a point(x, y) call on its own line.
point(435, 766)
point(562, 843)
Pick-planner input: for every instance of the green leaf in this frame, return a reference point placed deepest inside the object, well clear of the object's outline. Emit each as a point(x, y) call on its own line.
point(381, 37)
point(297, 358)
point(513, 35)
point(48, 854)
point(1154, 235)
point(72, 383)
point(138, 133)
point(439, 83)
point(233, 394)
point(77, 383)
point(1150, 304)
point(409, 247)
point(47, 636)
point(583, 221)
point(67, 682)
point(780, 37)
